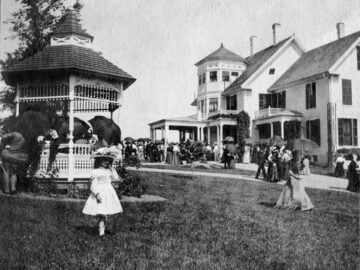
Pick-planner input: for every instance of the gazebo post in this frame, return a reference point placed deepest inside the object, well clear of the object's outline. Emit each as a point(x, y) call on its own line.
point(71, 127)
point(17, 105)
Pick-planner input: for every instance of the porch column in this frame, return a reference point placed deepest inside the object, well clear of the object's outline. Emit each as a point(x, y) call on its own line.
point(17, 105)
point(221, 138)
point(71, 127)
point(208, 131)
point(282, 129)
point(119, 103)
point(271, 129)
point(198, 134)
point(150, 130)
point(166, 143)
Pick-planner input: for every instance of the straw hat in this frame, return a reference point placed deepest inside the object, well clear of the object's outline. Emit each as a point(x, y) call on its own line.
point(106, 152)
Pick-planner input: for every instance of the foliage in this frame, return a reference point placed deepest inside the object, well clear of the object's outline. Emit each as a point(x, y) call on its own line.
point(131, 185)
point(243, 124)
point(31, 25)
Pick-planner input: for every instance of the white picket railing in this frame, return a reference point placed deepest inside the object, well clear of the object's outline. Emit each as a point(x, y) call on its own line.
point(83, 163)
point(267, 112)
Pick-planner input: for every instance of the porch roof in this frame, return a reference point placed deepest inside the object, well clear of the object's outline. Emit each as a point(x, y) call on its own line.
point(189, 119)
point(289, 114)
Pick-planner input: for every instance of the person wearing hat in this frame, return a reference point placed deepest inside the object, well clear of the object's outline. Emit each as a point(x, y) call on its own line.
point(103, 200)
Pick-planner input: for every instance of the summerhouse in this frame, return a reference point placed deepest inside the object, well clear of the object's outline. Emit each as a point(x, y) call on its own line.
point(71, 77)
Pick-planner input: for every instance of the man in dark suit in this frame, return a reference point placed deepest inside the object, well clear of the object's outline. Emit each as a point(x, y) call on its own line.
point(261, 162)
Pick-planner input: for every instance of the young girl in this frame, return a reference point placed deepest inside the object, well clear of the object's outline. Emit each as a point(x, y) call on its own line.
point(293, 195)
point(103, 200)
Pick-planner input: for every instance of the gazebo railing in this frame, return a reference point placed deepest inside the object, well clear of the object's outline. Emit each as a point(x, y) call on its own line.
point(83, 163)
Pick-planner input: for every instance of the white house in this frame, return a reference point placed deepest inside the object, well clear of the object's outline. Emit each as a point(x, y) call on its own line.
point(277, 85)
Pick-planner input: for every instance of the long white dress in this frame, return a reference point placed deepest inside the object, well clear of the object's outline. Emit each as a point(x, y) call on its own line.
point(246, 156)
point(294, 196)
point(101, 184)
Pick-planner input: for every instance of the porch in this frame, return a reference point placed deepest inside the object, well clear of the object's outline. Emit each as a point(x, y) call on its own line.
point(270, 122)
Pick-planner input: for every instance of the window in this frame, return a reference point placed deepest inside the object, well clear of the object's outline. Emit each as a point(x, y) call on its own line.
point(313, 130)
point(204, 78)
point(358, 57)
point(311, 95)
point(347, 130)
point(272, 71)
point(199, 79)
point(277, 128)
point(225, 76)
point(262, 101)
point(264, 131)
point(203, 106)
point(275, 100)
point(346, 92)
point(213, 76)
point(231, 103)
point(234, 73)
point(213, 105)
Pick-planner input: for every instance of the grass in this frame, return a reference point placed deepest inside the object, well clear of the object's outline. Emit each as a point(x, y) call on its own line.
point(207, 223)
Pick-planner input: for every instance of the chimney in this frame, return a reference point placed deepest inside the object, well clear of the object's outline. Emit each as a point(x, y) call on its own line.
point(340, 27)
point(275, 28)
point(252, 45)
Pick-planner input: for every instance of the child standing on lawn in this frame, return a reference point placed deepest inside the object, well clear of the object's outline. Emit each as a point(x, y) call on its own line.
point(103, 200)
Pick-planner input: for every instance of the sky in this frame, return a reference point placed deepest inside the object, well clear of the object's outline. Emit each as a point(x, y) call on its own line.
point(159, 41)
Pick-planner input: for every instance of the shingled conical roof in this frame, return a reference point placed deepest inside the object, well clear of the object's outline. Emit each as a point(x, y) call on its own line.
point(69, 24)
point(67, 59)
point(221, 54)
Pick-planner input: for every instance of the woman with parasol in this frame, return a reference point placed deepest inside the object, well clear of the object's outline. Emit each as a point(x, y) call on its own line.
point(293, 195)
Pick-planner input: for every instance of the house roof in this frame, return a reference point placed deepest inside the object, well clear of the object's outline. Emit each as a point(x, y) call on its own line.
point(255, 62)
point(221, 54)
point(317, 61)
point(69, 24)
point(67, 58)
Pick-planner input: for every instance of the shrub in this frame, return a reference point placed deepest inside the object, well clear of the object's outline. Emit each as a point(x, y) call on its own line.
point(131, 185)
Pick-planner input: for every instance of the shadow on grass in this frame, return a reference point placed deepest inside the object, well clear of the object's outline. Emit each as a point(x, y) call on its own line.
point(90, 230)
point(268, 204)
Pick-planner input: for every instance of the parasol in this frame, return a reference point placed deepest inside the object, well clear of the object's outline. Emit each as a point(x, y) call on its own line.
point(106, 128)
point(249, 141)
point(276, 141)
point(305, 145)
point(229, 139)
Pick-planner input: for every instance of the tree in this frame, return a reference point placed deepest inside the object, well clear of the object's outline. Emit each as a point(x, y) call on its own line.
point(243, 124)
point(32, 26)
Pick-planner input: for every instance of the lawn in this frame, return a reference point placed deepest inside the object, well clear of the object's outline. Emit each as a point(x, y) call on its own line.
point(207, 223)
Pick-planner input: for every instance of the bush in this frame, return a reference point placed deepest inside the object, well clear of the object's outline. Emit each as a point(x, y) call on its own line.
point(131, 185)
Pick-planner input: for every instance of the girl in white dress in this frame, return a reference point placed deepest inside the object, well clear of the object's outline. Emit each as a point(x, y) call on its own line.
point(103, 200)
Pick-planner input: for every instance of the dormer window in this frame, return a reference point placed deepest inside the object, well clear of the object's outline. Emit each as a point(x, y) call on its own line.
point(271, 71)
point(213, 76)
point(225, 76)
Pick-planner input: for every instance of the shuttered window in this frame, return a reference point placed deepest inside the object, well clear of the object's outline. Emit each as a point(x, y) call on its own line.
point(311, 95)
point(313, 130)
point(347, 131)
point(346, 92)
